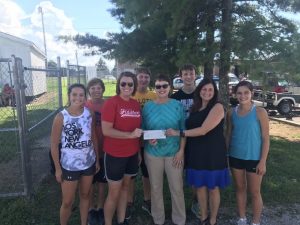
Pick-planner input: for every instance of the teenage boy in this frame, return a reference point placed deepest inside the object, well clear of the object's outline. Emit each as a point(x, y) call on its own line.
point(142, 95)
point(186, 95)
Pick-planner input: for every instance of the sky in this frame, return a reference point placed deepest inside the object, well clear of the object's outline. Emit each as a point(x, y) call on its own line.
point(21, 18)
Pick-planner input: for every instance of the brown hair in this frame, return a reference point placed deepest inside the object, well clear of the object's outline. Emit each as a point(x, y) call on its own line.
point(198, 100)
point(243, 83)
point(76, 85)
point(162, 77)
point(126, 74)
point(187, 67)
point(142, 70)
point(93, 82)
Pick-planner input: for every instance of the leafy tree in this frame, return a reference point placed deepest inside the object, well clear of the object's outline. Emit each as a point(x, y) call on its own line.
point(164, 34)
point(102, 68)
point(52, 64)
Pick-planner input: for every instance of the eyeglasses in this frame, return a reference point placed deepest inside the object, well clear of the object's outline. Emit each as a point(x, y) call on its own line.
point(129, 84)
point(164, 86)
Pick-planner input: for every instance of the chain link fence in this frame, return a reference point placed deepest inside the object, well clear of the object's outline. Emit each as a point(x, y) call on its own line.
point(26, 117)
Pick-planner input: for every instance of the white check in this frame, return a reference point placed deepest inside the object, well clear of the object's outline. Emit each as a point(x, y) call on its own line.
point(154, 134)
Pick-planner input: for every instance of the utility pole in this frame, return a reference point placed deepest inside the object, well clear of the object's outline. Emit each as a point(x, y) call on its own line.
point(45, 48)
point(78, 71)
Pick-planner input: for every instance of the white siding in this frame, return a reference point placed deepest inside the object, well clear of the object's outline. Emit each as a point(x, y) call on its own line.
point(35, 81)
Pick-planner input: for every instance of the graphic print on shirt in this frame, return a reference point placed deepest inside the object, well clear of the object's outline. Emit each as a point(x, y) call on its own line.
point(73, 133)
point(187, 103)
point(129, 113)
point(77, 147)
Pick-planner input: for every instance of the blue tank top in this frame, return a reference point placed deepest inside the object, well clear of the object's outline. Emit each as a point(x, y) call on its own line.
point(246, 137)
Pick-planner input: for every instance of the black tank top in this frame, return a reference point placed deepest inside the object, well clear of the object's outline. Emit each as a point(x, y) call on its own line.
point(207, 152)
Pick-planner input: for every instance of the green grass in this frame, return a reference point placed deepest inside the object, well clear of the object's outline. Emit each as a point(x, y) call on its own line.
point(110, 88)
point(280, 187)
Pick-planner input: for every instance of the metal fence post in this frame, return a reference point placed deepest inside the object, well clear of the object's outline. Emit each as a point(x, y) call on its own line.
point(68, 72)
point(60, 102)
point(22, 123)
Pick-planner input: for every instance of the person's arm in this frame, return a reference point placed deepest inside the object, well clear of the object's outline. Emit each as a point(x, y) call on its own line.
point(213, 118)
point(110, 131)
point(107, 122)
point(55, 141)
point(228, 128)
point(178, 160)
point(264, 125)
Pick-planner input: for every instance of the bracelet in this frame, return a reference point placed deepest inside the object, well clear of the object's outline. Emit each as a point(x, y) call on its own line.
point(181, 133)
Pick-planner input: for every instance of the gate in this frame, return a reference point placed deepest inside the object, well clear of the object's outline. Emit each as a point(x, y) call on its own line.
point(25, 124)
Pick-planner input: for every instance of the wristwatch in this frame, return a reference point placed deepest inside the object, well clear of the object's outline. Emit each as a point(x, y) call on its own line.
point(181, 133)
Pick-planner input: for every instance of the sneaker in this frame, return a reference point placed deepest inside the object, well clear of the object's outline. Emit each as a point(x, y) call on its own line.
point(93, 217)
point(129, 211)
point(100, 216)
point(242, 221)
point(147, 206)
point(125, 222)
point(196, 209)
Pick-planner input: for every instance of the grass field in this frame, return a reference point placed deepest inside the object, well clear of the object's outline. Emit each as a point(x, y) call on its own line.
point(280, 188)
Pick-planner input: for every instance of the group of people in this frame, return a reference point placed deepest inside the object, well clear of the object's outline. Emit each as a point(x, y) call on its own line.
point(97, 141)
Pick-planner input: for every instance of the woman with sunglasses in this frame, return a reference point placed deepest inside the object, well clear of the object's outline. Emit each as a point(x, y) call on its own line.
point(165, 155)
point(121, 122)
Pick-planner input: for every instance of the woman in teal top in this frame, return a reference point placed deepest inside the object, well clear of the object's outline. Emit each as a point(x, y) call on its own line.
point(248, 143)
point(165, 155)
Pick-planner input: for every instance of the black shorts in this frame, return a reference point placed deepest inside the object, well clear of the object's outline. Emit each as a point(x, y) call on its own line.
point(100, 176)
point(75, 175)
point(117, 167)
point(143, 166)
point(248, 165)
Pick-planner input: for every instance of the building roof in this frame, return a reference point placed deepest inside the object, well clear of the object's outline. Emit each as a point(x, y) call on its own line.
point(23, 41)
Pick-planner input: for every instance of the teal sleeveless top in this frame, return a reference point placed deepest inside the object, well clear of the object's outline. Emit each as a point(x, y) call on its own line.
point(246, 139)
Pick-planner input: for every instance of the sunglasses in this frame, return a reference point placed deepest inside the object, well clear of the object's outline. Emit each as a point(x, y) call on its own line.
point(164, 86)
point(129, 84)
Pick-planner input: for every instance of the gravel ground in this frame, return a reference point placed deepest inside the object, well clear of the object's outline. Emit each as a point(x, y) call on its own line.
point(272, 215)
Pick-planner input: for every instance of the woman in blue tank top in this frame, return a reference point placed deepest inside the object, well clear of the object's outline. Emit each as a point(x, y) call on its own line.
point(248, 144)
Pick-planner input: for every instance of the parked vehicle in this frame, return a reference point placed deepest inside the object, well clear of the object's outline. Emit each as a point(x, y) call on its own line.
point(282, 102)
point(177, 83)
point(275, 93)
point(233, 80)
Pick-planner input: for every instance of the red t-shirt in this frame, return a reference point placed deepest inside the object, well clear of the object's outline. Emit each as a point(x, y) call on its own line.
point(97, 109)
point(125, 116)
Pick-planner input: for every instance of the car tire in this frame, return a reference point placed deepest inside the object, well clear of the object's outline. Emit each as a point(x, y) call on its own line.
point(285, 107)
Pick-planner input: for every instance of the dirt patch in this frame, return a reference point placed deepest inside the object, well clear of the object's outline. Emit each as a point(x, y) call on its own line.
point(44, 98)
point(288, 132)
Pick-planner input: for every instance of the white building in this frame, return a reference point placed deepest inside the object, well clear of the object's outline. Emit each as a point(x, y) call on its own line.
point(31, 56)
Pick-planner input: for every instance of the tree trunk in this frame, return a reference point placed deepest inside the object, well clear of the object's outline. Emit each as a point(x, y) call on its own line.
point(210, 39)
point(225, 50)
